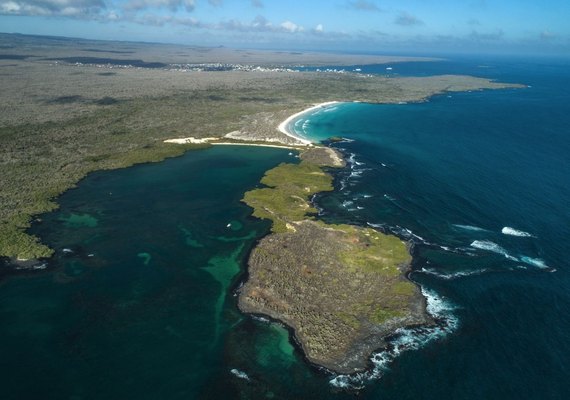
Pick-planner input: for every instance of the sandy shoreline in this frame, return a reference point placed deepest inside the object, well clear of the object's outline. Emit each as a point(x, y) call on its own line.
point(283, 125)
point(215, 142)
point(277, 146)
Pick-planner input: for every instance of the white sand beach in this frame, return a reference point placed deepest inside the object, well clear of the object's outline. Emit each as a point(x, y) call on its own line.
point(283, 125)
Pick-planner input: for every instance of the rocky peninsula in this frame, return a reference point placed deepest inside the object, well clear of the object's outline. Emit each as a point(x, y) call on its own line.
point(341, 288)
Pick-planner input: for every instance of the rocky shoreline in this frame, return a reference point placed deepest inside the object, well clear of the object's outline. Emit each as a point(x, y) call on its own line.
point(342, 289)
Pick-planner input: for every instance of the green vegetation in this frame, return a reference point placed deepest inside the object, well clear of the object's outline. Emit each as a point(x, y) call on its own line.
point(59, 123)
point(16, 243)
point(31, 186)
point(381, 315)
point(286, 199)
point(376, 252)
point(335, 285)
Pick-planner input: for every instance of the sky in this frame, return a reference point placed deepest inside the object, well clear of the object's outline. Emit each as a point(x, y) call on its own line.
point(532, 27)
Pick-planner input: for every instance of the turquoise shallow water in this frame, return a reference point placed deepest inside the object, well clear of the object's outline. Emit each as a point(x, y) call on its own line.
point(139, 300)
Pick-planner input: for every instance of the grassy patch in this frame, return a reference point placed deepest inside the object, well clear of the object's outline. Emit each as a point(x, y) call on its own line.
point(381, 315)
point(372, 251)
point(286, 199)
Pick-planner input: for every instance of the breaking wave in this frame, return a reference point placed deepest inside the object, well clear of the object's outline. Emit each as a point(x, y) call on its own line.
point(470, 228)
point(405, 339)
point(492, 247)
point(514, 232)
point(453, 275)
point(239, 374)
point(536, 262)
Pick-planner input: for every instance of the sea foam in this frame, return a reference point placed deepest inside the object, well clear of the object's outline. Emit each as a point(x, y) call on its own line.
point(239, 374)
point(470, 228)
point(536, 262)
point(453, 275)
point(405, 339)
point(514, 232)
point(492, 247)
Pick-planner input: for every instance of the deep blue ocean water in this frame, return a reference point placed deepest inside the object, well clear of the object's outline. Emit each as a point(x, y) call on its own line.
point(139, 301)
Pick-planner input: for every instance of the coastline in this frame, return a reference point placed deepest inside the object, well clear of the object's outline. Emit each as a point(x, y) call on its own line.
point(336, 328)
point(263, 142)
point(263, 119)
point(214, 141)
point(276, 146)
point(283, 125)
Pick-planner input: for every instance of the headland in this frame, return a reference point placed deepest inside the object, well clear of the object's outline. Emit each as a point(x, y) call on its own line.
point(341, 288)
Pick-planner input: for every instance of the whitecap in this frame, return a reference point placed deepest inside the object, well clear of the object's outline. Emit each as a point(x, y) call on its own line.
point(352, 161)
point(382, 226)
point(492, 247)
point(536, 262)
point(405, 232)
point(453, 275)
point(405, 339)
point(469, 228)
point(239, 374)
point(514, 232)
point(343, 140)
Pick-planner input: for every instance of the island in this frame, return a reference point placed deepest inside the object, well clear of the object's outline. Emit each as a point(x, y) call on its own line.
point(341, 288)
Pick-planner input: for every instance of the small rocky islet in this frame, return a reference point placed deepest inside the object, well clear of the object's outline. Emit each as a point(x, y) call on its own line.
point(341, 288)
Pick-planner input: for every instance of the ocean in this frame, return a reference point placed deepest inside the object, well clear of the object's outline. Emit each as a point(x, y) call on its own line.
point(140, 299)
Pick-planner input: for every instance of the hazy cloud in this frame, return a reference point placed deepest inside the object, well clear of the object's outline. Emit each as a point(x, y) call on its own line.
point(257, 3)
point(487, 36)
point(363, 5)
point(473, 22)
point(70, 8)
point(406, 19)
point(172, 5)
point(215, 3)
point(546, 35)
point(292, 27)
point(161, 20)
point(259, 24)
